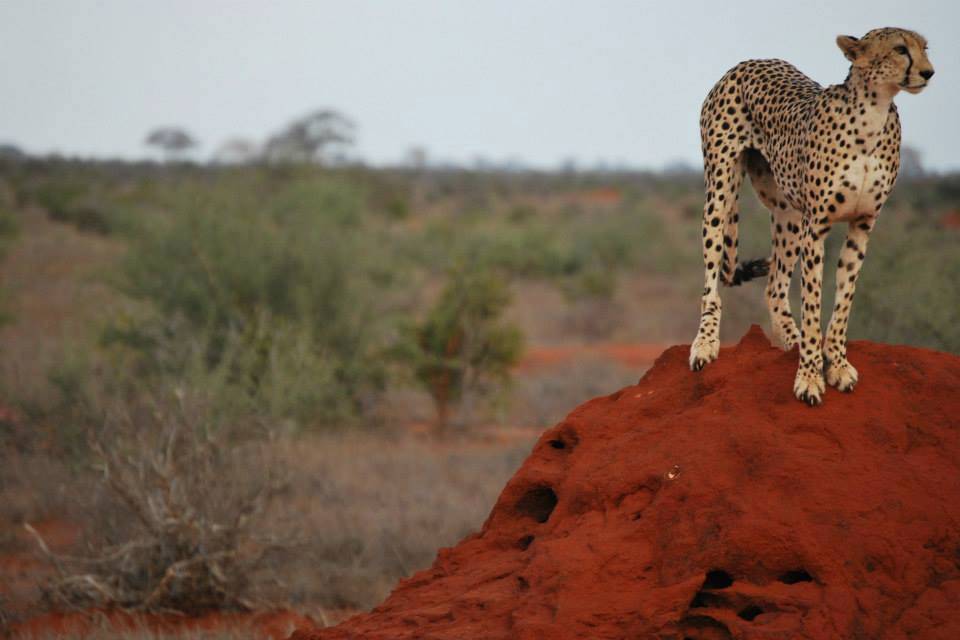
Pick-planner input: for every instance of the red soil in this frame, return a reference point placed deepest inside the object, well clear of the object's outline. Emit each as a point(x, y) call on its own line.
point(601, 196)
point(23, 570)
point(715, 505)
point(273, 624)
point(951, 219)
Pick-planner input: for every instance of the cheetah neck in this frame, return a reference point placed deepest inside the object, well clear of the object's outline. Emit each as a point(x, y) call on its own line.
point(869, 102)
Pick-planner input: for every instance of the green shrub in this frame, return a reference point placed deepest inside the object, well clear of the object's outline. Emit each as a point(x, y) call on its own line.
point(462, 343)
point(268, 301)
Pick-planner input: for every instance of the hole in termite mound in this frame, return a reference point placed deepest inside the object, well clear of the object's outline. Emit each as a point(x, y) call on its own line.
point(795, 576)
point(706, 600)
point(750, 612)
point(537, 503)
point(564, 438)
point(717, 579)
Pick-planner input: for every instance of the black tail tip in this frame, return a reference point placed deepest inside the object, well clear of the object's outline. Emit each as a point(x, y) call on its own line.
point(749, 270)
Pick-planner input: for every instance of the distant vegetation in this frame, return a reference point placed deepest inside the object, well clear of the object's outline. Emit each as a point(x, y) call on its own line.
point(310, 300)
point(287, 291)
point(8, 231)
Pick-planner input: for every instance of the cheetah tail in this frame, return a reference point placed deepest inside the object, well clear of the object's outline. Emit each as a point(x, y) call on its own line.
point(749, 270)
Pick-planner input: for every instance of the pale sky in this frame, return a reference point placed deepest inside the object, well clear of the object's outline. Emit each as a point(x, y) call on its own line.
point(539, 81)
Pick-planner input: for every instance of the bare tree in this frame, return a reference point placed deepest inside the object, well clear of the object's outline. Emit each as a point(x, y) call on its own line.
point(321, 137)
point(173, 141)
point(236, 151)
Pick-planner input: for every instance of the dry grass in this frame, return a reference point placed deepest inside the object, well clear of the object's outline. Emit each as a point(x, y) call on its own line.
point(57, 300)
point(364, 509)
point(104, 626)
point(35, 486)
point(544, 397)
point(377, 508)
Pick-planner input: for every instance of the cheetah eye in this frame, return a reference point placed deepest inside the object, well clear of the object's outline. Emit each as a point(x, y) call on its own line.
point(900, 49)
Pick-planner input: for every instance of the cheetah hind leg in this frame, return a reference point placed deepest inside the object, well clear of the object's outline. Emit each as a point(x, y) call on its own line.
point(786, 249)
point(785, 231)
point(724, 175)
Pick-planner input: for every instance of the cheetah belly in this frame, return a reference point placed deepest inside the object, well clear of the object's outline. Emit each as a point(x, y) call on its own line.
point(860, 185)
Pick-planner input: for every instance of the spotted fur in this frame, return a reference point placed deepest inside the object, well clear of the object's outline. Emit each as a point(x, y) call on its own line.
point(816, 156)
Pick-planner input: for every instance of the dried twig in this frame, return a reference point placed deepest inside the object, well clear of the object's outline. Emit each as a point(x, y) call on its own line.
point(54, 560)
point(197, 548)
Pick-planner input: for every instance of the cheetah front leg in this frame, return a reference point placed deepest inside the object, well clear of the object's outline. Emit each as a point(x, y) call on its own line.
point(840, 373)
point(808, 384)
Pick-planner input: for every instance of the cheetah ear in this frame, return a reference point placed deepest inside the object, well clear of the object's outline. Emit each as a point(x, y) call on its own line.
point(850, 46)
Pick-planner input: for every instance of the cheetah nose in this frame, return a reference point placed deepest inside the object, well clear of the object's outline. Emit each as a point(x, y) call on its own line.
point(926, 74)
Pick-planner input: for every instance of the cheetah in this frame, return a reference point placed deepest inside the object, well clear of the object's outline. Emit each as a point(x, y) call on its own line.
point(816, 157)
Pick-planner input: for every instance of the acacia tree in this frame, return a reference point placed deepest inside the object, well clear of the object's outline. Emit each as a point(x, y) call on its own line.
point(321, 137)
point(172, 141)
point(462, 344)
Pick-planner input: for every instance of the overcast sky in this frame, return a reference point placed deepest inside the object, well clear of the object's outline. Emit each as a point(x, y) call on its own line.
point(540, 81)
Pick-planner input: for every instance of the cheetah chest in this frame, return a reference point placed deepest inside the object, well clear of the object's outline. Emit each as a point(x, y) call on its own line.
point(860, 187)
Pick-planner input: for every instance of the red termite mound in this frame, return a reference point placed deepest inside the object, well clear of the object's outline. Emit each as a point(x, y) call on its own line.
point(715, 505)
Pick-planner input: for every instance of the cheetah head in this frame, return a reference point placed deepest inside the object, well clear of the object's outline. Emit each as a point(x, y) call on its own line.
point(890, 58)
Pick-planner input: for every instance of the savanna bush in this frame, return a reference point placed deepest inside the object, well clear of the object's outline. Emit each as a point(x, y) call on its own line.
point(463, 344)
point(268, 299)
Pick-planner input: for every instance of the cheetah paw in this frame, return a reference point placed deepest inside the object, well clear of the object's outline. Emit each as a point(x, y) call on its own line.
point(842, 375)
point(808, 387)
point(703, 351)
